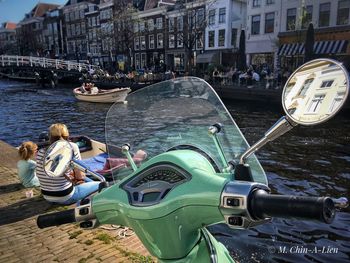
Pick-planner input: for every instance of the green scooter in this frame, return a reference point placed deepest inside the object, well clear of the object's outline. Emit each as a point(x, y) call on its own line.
point(200, 169)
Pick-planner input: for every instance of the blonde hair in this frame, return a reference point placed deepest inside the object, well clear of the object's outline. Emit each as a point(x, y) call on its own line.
point(27, 150)
point(58, 131)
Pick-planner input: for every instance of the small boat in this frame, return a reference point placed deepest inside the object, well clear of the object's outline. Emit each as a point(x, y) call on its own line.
point(103, 96)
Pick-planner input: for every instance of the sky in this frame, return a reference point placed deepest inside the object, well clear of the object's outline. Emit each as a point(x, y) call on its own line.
point(14, 10)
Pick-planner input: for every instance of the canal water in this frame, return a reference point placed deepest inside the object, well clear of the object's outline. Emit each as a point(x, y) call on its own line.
point(311, 161)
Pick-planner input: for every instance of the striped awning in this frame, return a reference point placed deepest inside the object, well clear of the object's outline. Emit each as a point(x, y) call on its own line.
point(320, 47)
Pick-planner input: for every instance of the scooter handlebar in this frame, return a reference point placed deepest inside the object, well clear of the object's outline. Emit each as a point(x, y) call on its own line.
point(263, 205)
point(56, 219)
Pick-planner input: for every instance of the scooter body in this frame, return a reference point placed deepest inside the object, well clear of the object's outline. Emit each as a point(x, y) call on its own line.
point(200, 169)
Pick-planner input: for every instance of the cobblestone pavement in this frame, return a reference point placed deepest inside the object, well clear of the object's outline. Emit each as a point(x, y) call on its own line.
point(22, 241)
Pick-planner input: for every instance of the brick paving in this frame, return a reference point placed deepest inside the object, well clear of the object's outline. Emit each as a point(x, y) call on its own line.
point(22, 241)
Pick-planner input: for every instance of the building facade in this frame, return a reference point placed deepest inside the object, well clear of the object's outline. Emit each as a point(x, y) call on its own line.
point(29, 31)
point(8, 41)
point(73, 13)
point(53, 34)
point(263, 26)
point(331, 20)
point(225, 20)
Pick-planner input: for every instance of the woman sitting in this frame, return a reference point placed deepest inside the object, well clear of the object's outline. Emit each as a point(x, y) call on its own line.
point(61, 189)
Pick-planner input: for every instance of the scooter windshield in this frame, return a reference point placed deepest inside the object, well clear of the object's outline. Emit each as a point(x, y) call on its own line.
point(176, 114)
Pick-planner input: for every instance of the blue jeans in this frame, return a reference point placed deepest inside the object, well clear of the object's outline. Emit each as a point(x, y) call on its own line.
point(83, 190)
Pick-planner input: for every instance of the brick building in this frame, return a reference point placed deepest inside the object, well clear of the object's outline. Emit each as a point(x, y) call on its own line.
point(8, 41)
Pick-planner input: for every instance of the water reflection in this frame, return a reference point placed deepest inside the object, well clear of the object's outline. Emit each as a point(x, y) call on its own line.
point(306, 161)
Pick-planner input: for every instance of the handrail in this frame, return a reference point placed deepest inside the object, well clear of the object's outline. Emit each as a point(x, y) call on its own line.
point(10, 60)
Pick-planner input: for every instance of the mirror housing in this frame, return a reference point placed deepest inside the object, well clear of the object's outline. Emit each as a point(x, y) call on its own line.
point(58, 158)
point(313, 94)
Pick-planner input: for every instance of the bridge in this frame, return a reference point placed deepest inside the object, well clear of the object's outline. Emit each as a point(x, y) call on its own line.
point(45, 63)
point(43, 70)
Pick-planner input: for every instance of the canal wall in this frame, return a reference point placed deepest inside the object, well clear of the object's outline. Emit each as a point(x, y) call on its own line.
point(22, 241)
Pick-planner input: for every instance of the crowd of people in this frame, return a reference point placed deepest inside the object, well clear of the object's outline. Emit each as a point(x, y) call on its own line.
point(261, 76)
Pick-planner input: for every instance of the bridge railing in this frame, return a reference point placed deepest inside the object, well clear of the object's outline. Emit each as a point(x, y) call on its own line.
point(58, 64)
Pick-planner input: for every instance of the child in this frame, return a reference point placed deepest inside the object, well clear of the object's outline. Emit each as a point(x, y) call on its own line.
point(26, 166)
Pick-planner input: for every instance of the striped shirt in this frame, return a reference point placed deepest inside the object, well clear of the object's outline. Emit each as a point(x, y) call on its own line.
point(55, 189)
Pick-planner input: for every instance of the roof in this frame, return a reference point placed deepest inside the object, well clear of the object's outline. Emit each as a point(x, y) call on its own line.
point(9, 25)
point(41, 8)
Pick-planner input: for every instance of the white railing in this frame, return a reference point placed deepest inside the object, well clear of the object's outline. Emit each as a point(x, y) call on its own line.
point(6, 60)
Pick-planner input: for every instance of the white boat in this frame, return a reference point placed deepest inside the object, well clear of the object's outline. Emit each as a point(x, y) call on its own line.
point(103, 96)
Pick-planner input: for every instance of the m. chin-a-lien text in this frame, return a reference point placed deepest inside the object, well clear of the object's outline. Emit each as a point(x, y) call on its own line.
point(307, 250)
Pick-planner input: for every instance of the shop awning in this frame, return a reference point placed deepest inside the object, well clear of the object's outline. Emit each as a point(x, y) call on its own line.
point(320, 47)
point(207, 57)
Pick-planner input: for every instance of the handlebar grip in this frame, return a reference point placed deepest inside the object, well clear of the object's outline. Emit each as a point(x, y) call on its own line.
point(56, 219)
point(264, 205)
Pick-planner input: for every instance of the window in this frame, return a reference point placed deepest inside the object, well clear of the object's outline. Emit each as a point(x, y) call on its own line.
point(327, 83)
point(83, 29)
point(137, 60)
point(68, 31)
point(221, 37)
point(305, 87)
point(77, 29)
point(151, 41)
point(256, 25)
point(180, 23)
point(211, 41)
point(222, 15)
point(171, 41)
point(337, 101)
point(256, 3)
point(234, 37)
point(143, 42)
point(269, 22)
point(199, 40)
point(159, 22)
point(212, 17)
point(307, 17)
point(325, 10)
point(137, 43)
point(72, 27)
point(270, 2)
point(343, 12)
point(171, 24)
point(66, 16)
point(291, 19)
point(179, 61)
point(142, 26)
point(316, 103)
point(136, 27)
point(143, 60)
point(150, 24)
point(160, 41)
point(180, 42)
point(200, 19)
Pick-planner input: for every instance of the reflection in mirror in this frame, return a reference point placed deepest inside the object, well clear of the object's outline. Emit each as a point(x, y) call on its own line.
point(57, 158)
point(315, 92)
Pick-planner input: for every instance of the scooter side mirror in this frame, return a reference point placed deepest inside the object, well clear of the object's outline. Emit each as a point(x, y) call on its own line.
point(315, 92)
point(58, 158)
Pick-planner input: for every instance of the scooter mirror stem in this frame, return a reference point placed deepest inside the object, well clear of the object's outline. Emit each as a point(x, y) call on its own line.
point(283, 125)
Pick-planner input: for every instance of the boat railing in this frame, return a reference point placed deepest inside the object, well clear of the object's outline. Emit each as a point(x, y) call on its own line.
point(7, 60)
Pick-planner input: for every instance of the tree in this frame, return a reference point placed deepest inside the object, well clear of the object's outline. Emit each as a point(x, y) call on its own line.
point(242, 65)
point(124, 21)
point(309, 43)
point(195, 21)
